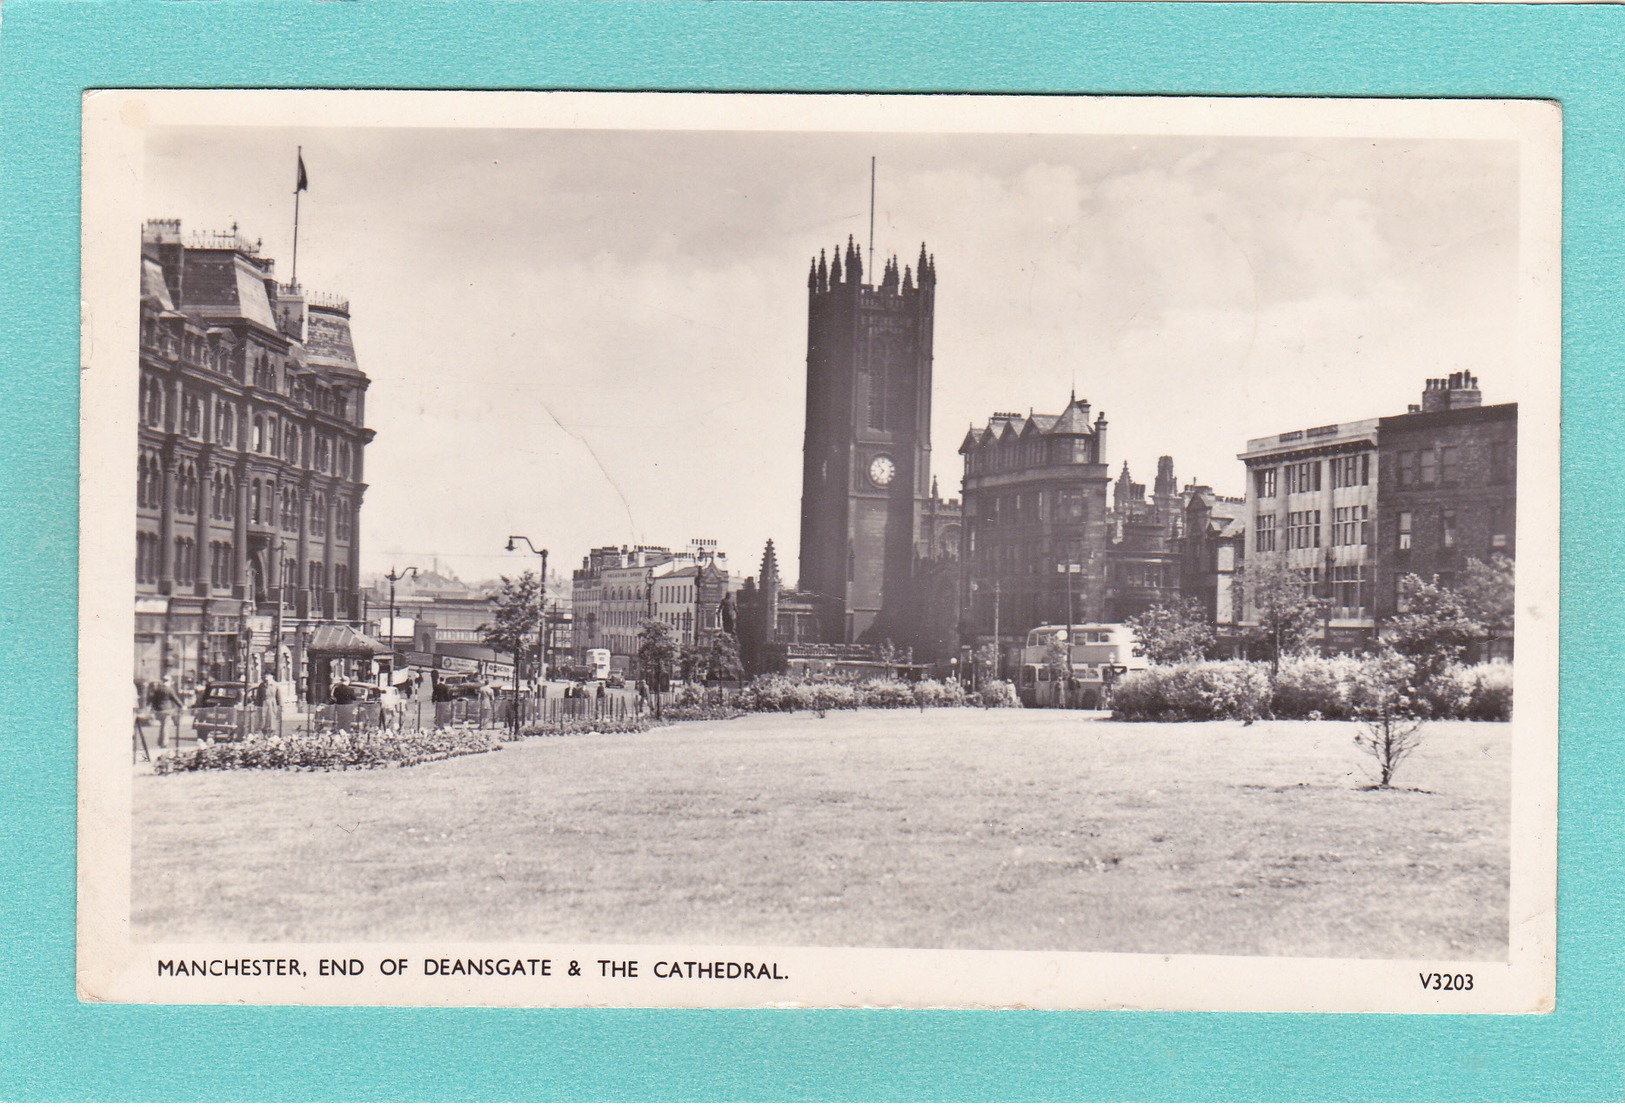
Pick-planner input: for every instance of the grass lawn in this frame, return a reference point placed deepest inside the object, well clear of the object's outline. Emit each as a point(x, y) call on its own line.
point(958, 829)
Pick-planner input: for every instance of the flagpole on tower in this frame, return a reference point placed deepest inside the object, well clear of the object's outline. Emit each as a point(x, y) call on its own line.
point(872, 219)
point(299, 185)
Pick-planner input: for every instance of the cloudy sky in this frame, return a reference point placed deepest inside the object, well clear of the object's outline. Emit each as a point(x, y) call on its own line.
point(597, 337)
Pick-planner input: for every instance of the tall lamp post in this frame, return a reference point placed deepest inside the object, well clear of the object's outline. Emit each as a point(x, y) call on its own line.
point(393, 577)
point(541, 633)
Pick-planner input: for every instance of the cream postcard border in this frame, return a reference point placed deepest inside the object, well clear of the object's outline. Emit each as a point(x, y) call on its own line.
point(113, 968)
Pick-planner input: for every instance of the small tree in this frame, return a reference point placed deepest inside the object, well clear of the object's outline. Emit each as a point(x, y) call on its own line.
point(691, 661)
point(1380, 697)
point(1181, 632)
point(1435, 630)
point(1282, 599)
point(722, 660)
point(516, 628)
point(659, 651)
point(1486, 591)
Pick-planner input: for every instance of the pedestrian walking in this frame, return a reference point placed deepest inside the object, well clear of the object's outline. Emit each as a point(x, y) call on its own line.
point(390, 706)
point(165, 704)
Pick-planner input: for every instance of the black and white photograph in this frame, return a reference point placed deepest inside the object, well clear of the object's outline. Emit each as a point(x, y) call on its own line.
point(783, 550)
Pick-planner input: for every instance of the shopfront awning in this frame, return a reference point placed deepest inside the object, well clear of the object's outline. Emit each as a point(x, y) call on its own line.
point(338, 640)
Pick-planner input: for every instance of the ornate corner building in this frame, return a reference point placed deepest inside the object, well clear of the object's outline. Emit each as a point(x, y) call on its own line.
point(250, 462)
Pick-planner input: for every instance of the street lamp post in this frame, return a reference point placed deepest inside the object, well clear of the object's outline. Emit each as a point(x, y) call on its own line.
point(541, 633)
point(393, 577)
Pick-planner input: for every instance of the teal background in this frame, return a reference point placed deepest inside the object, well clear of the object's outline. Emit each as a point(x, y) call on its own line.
point(51, 1046)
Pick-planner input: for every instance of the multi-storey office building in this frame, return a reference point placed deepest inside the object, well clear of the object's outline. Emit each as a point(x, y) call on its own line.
point(1448, 490)
point(249, 471)
point(1312, 502)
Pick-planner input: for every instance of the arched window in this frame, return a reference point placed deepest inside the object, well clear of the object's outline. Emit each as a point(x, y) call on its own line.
point(254, 514)
point(259, 434)
point(228, 496)
point(152, 403)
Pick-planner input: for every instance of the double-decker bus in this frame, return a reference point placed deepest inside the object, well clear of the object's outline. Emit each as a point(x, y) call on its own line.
point(598, 662)
point(1100, 653)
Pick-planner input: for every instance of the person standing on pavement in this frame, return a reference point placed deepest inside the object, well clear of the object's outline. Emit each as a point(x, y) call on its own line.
point(165, 703)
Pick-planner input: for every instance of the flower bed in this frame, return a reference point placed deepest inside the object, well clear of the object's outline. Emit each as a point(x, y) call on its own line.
point(337, 749)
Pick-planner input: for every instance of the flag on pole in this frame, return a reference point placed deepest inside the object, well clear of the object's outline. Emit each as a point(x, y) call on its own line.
point(303, 183)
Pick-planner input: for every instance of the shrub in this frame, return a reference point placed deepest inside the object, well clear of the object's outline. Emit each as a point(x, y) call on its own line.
point(335, 749)
point(997, 693)
point(886, 693)
point(1312, 685)
point(1488, 690)
point(1195, 690)
point(936, 693)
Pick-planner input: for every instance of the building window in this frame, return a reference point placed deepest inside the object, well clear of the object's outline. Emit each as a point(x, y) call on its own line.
point(1500, 462)
point(1350, 526)
point(1351, 471)
point(318, 577)
point(220, 564)
point(186, 490)
point(1499, 525)
point(1447, 522)
point(149, 482)
point(318, 515)
point(341, 578)
point(1430, 466)
point(1348, 590)
point(1303, 476)
point(290, 508)
point(1449, 471)
point(152, 403)
point(1264, 534)
point(1303, 530)
point(1404, 530)
point(192, 417)
point(146, 558)
point(1264, 483)
point(185, 561)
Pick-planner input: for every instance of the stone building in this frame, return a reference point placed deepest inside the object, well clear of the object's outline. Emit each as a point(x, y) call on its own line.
point(1448, 491)
point(1312, 501)
point(249, 470)
point(1145, 561)
point(1036, 523)
point(869, 516)
point(1214, 551)
point(618, 587)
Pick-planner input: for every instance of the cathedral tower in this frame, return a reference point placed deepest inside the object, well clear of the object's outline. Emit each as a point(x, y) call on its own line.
point(866, 454)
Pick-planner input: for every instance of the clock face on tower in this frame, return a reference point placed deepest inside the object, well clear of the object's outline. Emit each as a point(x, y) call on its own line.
point(881, 470)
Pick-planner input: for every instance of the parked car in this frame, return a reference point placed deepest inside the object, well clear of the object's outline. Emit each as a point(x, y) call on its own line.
point(214, 716)
point(615, 680)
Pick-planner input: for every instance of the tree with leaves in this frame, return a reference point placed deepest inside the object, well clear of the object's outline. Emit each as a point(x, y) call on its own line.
point(722, 659)
point(659, 652)
point(517, 626)
point(1173, 633)
point(1436, 628)
point(985, 662)
point(1486, 591)
point(691, 661)
point(1282, 599)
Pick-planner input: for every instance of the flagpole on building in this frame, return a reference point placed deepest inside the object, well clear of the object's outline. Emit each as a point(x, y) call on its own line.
point(298, 187)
